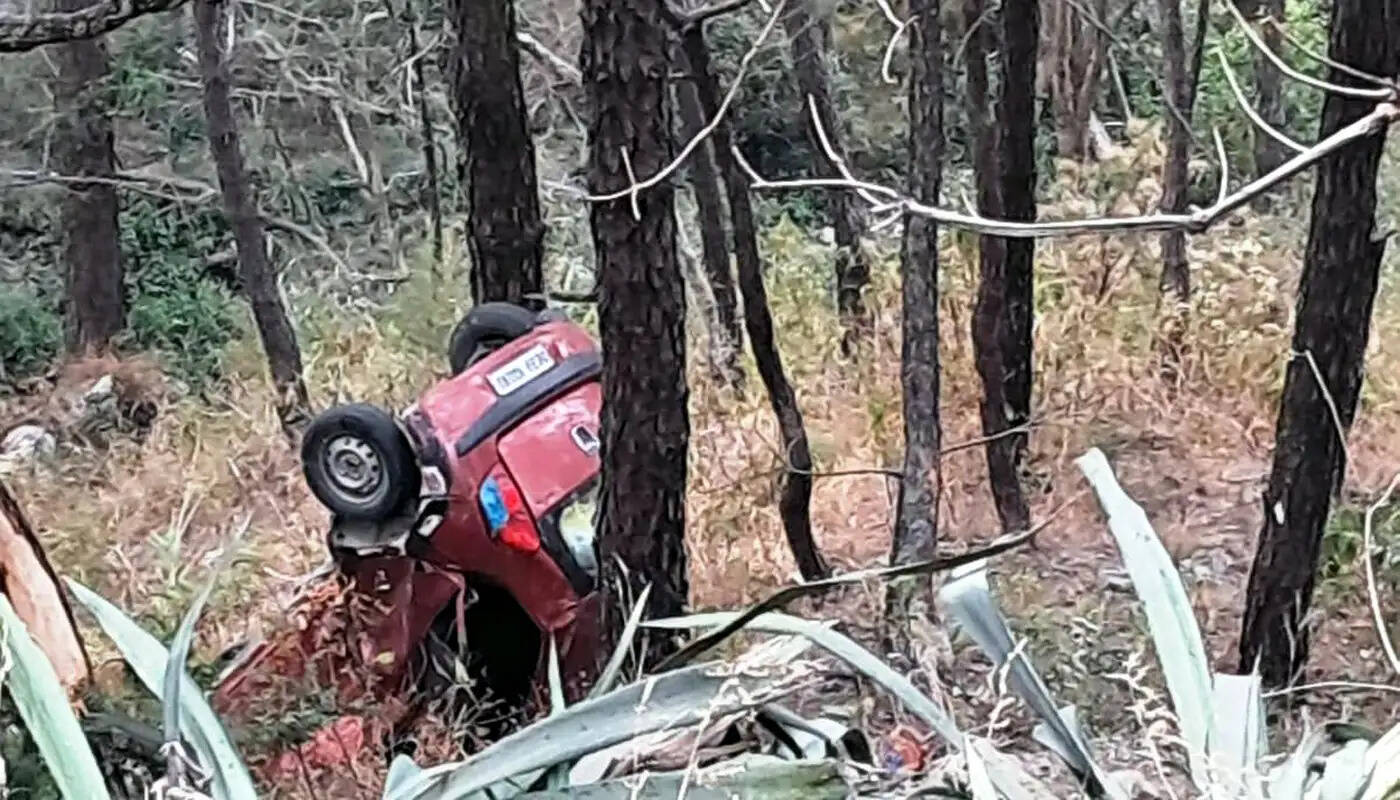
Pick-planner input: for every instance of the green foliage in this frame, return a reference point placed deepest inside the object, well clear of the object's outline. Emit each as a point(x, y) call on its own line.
point(31, 333)
point(176, 309)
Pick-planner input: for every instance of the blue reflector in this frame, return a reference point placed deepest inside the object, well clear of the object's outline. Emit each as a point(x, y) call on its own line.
point(493, 506)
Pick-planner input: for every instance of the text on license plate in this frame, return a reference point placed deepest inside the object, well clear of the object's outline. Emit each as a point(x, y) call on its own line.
point(521, 370)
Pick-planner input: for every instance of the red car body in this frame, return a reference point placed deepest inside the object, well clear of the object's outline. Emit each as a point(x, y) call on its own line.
point(539, 437)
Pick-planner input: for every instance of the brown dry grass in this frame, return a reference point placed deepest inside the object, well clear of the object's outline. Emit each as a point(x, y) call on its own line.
point(140, 522)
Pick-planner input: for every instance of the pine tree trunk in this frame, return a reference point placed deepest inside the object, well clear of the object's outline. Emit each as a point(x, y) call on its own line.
point(505, 233)
point(725, 331)
point(641, 307)
point(794, 503)
point(93, 292)
point(1003, 317)
point(1341, 268)
point(255, 272)
point(1269, 153)
point(1076, 51)
point(808, 34)
point(916, 521)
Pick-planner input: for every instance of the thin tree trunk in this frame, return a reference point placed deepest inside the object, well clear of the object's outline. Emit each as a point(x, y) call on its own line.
point(794, 504)
point(1341, 269)
point(93, 296)
point(29, 581)
point(255, 272)
point(916, 521)
point(505, 233)
point(1002, 321)
point(1076, 52)
point(809, 34)
point(1181, 76)
point(1269, 153)
point(725, 331)
point(641, 307)
point(425, 130)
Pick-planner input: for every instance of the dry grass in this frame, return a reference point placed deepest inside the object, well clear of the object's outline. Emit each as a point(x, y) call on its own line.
point(140, 522)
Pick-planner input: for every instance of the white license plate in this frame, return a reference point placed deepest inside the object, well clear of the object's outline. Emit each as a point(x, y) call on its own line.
point(521, 370)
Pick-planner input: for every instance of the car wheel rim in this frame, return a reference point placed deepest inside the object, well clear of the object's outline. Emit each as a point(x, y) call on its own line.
point(354, 467)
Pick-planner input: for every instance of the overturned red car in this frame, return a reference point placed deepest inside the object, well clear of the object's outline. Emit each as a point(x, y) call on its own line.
point(470, 514)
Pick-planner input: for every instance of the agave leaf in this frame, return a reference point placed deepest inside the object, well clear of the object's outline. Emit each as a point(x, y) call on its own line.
point(1290, 781)
point(970, 600)
point(1239, 730)
point(1175, 633)
point(751, 778)
point(1383, 763)
point(1344, 774)
point(979, 783)
point(1009, 778)
point(43, 705)
point(675, 699)
point(608, 677)
point(198, 722)
point(184, 635)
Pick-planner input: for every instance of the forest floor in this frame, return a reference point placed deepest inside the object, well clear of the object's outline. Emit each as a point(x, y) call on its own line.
point(141, 522)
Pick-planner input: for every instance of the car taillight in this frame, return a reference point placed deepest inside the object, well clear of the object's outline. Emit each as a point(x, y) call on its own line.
point(506, 516)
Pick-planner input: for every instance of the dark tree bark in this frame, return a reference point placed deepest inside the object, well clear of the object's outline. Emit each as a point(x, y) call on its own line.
point(425, 130)
point(641, 306)
point(795, 500)
point(1003, 317)
point(1341, 268)
point(1182, 75)
point(809, 34)
point(255, 272)
point(1269, 153)
point(94, 308)
point(916, 521)
point(725, 331)
point(505, 233)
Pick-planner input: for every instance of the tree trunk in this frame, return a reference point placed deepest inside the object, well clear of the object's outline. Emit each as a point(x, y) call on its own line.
point(808, 34)
point(725, 332)
point(504, 232)
point(916, 521)
point(425, 130)
point(794, 503)
point(1076, 51)
point(255, 272)
point(93, 296)
point(1269, 153)
point(33, 588)
point(1180, 76)
point(1002, 320)
point(641, 307)
point(1341, 268)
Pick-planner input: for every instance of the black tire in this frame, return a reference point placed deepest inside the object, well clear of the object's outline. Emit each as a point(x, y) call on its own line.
point(485, 328)
point(358, 463)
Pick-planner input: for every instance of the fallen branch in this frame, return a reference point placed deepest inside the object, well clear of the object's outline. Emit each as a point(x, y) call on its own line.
point(19, 33)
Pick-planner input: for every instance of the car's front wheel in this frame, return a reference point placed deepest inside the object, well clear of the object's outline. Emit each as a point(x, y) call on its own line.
point(358, 463)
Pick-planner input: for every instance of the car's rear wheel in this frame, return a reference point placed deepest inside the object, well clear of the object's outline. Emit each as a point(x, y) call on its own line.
point(485, 328)
point(358, 463)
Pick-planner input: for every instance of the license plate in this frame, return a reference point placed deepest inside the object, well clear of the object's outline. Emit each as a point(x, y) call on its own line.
point(521, 370)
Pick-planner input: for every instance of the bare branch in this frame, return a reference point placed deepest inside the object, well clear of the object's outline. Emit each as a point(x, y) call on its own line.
point(1378, 95)
point(26, 32)
point(560, 65)
point(1322, 59)
point(1254, 116)
point(1224, 166)
point(638, 186)
point(1196, 221)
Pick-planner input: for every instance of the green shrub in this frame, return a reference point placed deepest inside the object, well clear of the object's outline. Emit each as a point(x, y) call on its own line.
point(175, 308)
point(31, 333)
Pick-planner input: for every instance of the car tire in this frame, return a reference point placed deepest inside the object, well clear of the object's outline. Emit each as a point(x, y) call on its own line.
point(485, 328)
point(358, 463)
